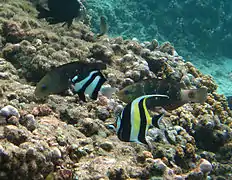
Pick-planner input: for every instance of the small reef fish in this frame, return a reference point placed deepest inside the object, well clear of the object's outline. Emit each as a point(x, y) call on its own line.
point(60, 11)
point(90, 84)
point(177, 95)
point(103, 26)
point(134, 121)
point(60, 78)
point(229, 101)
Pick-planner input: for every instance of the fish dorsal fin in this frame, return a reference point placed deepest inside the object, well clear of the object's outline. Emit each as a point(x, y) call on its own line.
point(156, 120)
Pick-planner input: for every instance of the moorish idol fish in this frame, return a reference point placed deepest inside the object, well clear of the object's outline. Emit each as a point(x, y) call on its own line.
point(177, 95)
point(60, 78)
point(90, 84)
point(134, 121)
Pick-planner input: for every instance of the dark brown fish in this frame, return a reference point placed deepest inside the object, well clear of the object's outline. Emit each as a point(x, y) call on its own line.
point(59, 79)
point(60, 11)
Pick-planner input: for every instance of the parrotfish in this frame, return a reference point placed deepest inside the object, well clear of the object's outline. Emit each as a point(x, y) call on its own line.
point(90, 84)
point(68, 75)
point(60, 11)
point(103, 26)
point(134, 121)
point(177, 95)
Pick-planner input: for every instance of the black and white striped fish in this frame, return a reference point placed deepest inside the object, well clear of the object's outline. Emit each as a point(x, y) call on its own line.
point(134, 121)
point(88, 84)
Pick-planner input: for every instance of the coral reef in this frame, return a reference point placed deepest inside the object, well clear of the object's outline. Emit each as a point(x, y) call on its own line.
point(190, 25)
point(61, 137)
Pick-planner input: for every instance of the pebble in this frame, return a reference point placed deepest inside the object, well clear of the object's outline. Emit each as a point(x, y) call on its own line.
point(133, 74)
point(127, 82)
point(128, 57)
point(205, 166)
point(147, 154)
point(15, 134)
point(4, 75)
point(29, 122)
point(9, 111)
point(13, 120)
point(38, 42)
point(56, 154)
point(31, 153)
point(118, 109)
point(103, 114)
point(107, 146)
point(158, 163)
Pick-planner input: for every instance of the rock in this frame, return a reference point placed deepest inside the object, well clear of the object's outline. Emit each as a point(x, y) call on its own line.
point(117, 173)
point(102, 52)
point(29, 122)
point(118, 109)
point(103, 113)
point(9, 111)
point(88, 127)
point(42, 110)
point(147, 154)
point(127, 82)
point(4, 75)
point(133, 74)
point(4, 156)
point(31, 153)
point(56, 154)
point(205, 166)
point(166, 47)
point(107, 146)
point(159, 165)
point(15, 134)
point(128, 58)
point(13, 120)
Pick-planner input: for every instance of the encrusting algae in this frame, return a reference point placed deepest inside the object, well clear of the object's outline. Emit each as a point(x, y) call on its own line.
point(63, 137)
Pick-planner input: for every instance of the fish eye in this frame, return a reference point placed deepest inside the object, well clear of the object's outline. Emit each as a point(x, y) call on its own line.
point(43, 87)
point(126, 92)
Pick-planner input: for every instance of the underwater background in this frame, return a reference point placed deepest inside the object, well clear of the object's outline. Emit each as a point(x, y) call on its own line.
point(199, 30)
point(176, 48)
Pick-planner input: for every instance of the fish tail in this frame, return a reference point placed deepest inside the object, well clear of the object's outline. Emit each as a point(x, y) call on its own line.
point(202, 94)
point(194, 95)
point(43, 13)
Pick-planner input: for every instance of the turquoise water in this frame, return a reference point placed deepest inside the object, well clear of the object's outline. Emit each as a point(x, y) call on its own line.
point(200, 28)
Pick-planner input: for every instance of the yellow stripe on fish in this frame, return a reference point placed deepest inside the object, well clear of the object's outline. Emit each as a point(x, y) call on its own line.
point(134, 121)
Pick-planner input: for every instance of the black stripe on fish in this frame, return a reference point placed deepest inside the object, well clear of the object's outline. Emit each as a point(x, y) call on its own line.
point(156, 120)
point(98, 87)
point(143, 123)
point(125, 127)
point(89, 80)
